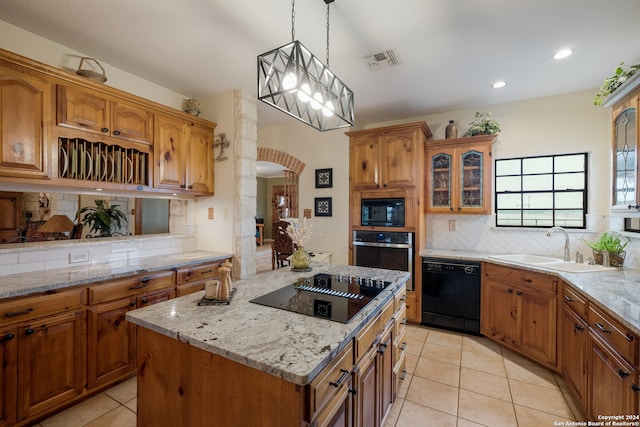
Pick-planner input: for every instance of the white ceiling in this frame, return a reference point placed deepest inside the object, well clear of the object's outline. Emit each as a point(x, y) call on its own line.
point(451, 51)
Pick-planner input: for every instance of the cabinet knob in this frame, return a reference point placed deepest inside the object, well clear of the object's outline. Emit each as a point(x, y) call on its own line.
point(622, 373)
point(636, 207)
point(518, 293)
point(451, 208)
point(459, 208)
point(105, 130)
point(8, 337)
point(116, 132)
point(510, 291)
point(145, 300)
point(353, 391)
point(183, 185)
point(190, 187)
point(132, 303)
point(634, 387)
point(579, 328)
point(29, 331)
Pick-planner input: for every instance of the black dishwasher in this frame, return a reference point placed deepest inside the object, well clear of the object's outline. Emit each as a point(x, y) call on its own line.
point(451, 294)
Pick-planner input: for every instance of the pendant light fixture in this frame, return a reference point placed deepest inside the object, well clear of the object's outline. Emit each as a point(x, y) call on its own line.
point(295, 81)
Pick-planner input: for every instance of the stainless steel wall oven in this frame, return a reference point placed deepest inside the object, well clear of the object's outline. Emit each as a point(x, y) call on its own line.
point(392, 250)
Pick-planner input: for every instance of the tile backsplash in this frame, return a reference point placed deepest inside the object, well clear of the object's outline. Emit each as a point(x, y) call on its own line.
point(26, 258)
point(478, 233)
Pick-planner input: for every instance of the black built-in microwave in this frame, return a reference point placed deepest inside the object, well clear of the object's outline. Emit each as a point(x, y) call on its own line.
point(382, 212)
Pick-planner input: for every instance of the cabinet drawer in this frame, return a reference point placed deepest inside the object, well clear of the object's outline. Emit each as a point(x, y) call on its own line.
point(122, 288)
point(190, 288)
point(573, 299)
point(197, 272)
point(521, 278)
point(614, 333)
point(366, 338)
point(400, 325)
point(400, 346)
point(31, 307)
point(330, 380)
point(400, 298)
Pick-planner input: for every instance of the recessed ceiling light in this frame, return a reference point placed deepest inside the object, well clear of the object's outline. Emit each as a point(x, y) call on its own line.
point(562, 53)
point(499, 84)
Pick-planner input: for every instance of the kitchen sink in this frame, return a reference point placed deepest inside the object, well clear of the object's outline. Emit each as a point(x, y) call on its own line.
point(550, 263)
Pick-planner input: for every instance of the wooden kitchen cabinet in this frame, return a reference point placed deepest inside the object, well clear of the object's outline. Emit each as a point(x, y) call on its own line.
point(193, 278)
point(626, 140)
point(87, 110)
point(386, 157)
point(573, 338)
point(52, 354)
point(458, 176)
point(8, 375)
point(111, 340)
point(26, 109)
point(184, 155)
point(519, 311)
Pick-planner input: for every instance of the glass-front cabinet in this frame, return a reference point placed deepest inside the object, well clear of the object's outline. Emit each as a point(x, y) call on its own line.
point(625, 156)
point(459, 175)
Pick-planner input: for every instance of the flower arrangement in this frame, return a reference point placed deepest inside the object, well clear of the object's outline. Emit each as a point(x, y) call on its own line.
point(482, 125)
point(300, 233)
point(620, 75)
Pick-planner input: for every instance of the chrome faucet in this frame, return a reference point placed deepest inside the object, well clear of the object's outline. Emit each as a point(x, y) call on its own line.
point(567, 251)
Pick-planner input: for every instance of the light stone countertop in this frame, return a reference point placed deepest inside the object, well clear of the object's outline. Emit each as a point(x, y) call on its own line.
point(15, 285)
point(616, 291)
point(292, 346)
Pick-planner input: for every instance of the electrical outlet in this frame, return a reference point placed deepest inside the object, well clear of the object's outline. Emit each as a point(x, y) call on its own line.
point(210, 213)
point(452, 225)
point(78, 257)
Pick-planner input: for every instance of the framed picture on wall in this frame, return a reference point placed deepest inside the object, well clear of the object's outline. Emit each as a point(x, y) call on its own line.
point(323, 206)
point(324, 178)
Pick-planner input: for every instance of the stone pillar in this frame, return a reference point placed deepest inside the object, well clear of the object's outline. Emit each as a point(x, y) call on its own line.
point(245, 146)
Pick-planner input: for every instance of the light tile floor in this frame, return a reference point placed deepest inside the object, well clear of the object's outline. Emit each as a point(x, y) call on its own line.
point(454, 380)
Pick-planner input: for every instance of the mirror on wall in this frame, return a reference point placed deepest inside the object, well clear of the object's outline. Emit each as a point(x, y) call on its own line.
point(23, 213)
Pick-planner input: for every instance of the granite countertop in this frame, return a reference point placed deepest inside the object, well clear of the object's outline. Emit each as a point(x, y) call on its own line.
point(616, 291)
point(15, 285)
point(292, 346)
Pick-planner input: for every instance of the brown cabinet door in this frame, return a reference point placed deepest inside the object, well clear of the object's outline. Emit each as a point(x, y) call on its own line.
point(385, 356)
point(573, 338)
point(474, 180)
point(8, 376)
point(131, 122)
point(82, 109)
point(367, 395)
point(609, 382)
point(339, 411)
point(536, 325)
point(111, 341)
point(170, 152)
point(364, 158)
point(498, 313)
point(52, 362)
point(200, 167)
point(400, 157)
point(26, 104)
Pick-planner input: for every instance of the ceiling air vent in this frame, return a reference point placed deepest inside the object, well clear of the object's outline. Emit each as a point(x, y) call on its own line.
point(385, 59)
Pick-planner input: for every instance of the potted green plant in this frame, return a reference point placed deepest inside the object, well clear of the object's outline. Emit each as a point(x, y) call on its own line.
point(620, 75)
point(103, 220)
point(613, 243)
point(482, 125)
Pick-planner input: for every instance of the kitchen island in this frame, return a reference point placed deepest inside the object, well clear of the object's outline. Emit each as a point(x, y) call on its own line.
point(249, 364)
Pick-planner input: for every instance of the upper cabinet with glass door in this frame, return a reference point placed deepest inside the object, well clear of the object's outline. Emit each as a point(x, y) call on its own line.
point(625, 197)
point(459, 175)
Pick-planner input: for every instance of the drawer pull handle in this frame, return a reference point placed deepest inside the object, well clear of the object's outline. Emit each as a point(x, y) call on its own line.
point(579, 328)
point(622, 373)
point(404, 321)
point(403, 298)
point(343, 377)
point(568, 298)
point(403, 347)
point(18, 313)
point(143, 282)
point(404, 374)
point(628, 337)
point(8, 337)
point(602, 328)
point(206, 271)
point(29, 331)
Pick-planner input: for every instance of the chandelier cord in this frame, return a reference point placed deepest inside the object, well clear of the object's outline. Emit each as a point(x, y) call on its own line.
point(328, 35)
point(293, 20)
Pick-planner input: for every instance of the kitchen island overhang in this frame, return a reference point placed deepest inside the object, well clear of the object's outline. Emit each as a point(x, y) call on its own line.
point(259, 360)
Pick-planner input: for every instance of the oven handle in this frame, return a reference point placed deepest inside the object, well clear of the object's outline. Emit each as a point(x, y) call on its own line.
point(384, 245)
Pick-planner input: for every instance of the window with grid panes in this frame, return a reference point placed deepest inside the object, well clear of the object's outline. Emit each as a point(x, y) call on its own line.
point(543, 191)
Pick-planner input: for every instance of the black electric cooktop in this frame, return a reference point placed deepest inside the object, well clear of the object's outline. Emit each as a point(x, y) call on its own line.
point(333, 297)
